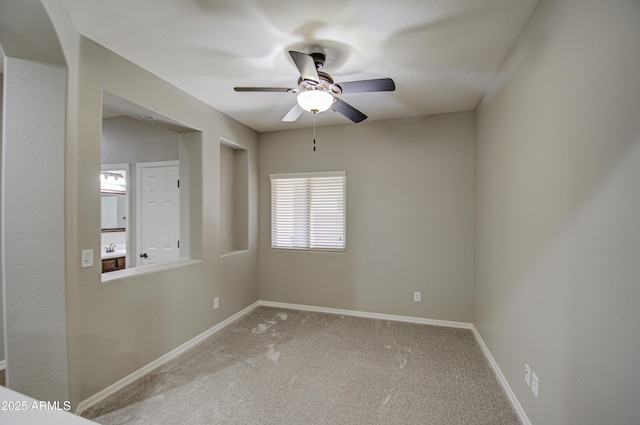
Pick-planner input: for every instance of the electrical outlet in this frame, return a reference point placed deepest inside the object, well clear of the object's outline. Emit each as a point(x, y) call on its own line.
point(417, 296)
point(216, 303)
point(534, 384)
point(527, 374)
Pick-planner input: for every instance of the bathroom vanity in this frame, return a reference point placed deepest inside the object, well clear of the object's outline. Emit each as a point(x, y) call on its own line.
point(113, 264)
point(114, 260)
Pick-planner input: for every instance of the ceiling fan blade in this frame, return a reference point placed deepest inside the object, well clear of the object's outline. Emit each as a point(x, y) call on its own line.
point(348, 111)
point(262, 89)
point(365, 86)
point(305, 65)
point(293, 114)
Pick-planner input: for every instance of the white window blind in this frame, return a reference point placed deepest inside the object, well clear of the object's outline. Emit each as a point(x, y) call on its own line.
point(308, 211)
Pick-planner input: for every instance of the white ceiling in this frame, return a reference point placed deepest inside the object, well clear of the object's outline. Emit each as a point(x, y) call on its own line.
point(440, 53)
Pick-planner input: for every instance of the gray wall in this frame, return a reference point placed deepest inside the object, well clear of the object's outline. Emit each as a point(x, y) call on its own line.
point(409, 217)
point(33, 202)
point(558, 202)
point(126, 140)
point(33, 229)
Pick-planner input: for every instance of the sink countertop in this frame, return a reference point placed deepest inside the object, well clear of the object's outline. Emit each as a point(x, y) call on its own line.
point(121, 251)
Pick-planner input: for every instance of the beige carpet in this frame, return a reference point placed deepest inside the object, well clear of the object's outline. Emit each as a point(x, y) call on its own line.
point(278, 366)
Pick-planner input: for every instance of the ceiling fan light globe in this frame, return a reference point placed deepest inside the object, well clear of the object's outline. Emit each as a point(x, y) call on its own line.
point(315, 100)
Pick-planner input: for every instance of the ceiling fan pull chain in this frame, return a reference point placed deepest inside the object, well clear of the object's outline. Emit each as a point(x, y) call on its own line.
point(314, 131)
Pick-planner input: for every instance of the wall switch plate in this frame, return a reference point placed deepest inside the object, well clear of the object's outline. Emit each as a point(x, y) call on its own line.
point(417, 296)
point(87, 258)
point(216, 303)
point(527, 374)
point(534, 384)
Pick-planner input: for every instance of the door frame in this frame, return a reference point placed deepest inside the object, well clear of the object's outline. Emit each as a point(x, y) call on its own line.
point(139, 167)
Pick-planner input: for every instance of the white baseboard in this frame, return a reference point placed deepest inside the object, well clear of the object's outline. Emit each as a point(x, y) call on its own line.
point(113, 388)
point(369, 315)
point(3, 364)
point(501, 378)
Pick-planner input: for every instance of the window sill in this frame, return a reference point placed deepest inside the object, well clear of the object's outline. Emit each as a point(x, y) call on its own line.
point(143, 270)
point(335, 250)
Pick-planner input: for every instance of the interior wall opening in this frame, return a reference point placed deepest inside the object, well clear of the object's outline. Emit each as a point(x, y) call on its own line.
point(145, 187)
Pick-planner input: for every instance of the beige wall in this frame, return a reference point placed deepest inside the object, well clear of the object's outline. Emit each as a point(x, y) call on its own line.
point(114, 328)
point(558, 240)
point(409, 217)
point(117, 327)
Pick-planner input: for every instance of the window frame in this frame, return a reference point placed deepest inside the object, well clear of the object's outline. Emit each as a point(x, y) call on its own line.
point(306, 200)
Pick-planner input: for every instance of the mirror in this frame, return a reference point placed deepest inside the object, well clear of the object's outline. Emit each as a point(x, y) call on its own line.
point(114, 203)
point(114, 208)
point(114, 212)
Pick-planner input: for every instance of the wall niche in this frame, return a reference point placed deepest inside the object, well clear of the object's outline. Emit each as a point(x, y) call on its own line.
point(234, 198)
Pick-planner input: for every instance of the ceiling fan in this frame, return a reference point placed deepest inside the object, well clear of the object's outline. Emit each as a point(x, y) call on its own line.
point(317, 92)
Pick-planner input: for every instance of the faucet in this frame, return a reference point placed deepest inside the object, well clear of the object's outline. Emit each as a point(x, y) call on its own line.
point(110, 248)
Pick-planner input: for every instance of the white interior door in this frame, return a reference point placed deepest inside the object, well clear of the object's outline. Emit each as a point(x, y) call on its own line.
point(158, 214)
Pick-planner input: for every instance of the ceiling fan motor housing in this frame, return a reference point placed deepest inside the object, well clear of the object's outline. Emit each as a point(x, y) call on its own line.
point(325, 84)
point(318, 58)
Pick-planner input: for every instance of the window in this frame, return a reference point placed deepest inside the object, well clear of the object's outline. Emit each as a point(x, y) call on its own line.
point(308, 211)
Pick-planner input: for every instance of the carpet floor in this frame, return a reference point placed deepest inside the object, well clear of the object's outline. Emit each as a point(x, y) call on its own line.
point(276, 366)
